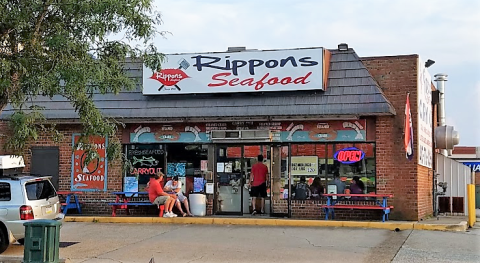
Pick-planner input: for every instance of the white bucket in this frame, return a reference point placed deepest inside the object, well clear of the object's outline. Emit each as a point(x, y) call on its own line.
point(198, 204)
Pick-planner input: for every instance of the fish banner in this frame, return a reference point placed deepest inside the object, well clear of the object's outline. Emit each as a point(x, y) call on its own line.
point(92, 176)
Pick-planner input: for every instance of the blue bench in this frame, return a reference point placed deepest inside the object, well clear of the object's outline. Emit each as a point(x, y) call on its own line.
point(333, 204)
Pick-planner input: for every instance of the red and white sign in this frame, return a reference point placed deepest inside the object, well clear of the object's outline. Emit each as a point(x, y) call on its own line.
point(93, 176)
point(408, 130)
point(247, 71)
point(424, 116)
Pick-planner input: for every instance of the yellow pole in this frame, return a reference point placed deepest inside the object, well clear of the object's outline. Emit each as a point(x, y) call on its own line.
point(471, 205)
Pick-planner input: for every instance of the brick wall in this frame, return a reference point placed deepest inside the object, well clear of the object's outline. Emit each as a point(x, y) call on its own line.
point(410, 183)
point(312, 209)
point(209, 210)
point(95, 202)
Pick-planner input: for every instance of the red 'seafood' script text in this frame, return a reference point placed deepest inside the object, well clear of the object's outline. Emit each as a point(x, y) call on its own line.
point(220, 79)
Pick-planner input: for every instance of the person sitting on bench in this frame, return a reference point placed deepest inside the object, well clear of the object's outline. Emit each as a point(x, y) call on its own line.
point(302, 191)
point(356, 187)
point(158, 197)
point(175, 187)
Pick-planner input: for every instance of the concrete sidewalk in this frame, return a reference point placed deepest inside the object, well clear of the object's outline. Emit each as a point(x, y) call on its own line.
point(445, 223)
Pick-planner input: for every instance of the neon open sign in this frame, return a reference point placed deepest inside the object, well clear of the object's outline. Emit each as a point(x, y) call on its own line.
point(349, 155)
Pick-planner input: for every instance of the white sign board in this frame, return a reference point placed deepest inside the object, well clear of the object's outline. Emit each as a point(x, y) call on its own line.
point(232, 72)
point(304, 165)
point(425, 125)
point(209, 188)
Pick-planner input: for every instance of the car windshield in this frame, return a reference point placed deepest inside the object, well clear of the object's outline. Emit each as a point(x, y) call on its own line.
point(39, 190)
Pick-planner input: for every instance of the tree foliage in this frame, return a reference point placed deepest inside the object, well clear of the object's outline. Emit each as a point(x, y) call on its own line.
point(65, 47)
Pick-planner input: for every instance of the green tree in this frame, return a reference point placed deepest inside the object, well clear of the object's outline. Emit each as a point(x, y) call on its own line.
point(65, 47)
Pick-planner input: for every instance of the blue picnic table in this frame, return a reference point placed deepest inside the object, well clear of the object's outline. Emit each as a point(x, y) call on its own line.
point(69, 202)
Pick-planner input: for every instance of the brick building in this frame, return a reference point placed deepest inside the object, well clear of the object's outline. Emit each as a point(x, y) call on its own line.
point(324, 104)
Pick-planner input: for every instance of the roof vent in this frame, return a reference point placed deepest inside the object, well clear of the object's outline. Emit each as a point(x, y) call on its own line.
point(236, 49)
point(343, 47)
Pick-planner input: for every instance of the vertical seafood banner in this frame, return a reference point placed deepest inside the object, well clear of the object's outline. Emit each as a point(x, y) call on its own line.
point(91, 176)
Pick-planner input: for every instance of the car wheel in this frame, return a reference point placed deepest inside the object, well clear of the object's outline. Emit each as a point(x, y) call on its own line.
point(21, 241)
point(4, 242)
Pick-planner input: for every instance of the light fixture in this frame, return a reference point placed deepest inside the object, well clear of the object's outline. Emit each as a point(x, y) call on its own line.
point(429, 63)
point(343, 47)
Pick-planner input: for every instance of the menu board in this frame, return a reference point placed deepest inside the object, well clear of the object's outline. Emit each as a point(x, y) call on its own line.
point(304, 165)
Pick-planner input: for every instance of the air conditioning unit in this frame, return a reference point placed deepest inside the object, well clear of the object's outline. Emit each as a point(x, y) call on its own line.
point(241, 136)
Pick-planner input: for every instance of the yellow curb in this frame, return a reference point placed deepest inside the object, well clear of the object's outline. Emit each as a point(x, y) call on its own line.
point(245, 221)
point(463, 226)
point(392, 225)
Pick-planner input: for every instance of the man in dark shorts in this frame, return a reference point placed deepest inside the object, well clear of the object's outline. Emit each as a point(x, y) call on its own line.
point(258, 182)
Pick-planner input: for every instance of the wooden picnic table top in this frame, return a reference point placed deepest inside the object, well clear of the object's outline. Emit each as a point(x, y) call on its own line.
point(360, 195)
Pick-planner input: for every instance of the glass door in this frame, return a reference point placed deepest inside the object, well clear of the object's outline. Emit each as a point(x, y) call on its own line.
point(230, 179)
point(233, 171)
point(279, 178)
point(250, 158)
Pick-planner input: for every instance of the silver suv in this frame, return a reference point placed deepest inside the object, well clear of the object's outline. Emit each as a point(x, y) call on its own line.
point(24, 198)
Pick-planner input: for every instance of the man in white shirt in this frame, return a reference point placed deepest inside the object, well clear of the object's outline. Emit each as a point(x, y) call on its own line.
point(175, 186)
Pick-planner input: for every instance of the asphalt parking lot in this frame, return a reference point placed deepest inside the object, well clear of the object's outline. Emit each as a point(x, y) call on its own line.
point(104, 242)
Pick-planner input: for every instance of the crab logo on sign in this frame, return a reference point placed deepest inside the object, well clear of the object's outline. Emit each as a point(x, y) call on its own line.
point(349, 155)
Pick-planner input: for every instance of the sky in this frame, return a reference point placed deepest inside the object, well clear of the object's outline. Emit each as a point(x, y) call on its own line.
point(447, 32)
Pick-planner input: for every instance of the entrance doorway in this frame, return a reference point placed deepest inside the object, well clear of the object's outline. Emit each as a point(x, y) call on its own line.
point(233, 165)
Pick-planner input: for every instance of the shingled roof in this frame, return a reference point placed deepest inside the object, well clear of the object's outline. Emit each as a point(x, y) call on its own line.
point(351, 91)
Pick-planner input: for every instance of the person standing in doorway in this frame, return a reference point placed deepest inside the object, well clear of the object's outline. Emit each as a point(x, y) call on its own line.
point(258, 181)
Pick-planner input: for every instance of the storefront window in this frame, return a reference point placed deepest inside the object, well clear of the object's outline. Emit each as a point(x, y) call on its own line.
point(355, 160)
point(305, 167)
point(146, 160)
point(182, 160)
point(185, 161)
point(327, 161)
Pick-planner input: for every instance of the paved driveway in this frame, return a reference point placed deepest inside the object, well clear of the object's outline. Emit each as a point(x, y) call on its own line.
point(95, 242)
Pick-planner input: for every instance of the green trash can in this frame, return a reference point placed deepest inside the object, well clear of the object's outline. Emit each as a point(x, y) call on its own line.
point(42, 239)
